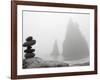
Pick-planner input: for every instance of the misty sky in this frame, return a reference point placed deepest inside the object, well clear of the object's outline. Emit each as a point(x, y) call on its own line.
point(46, 27)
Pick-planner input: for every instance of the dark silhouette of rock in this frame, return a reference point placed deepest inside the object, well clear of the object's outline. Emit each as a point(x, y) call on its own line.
point(24, 63)
point(29, 38)
point(29, 51)
point(55, 52)
point(29, 43)
point(29, 47)
point(75, 46)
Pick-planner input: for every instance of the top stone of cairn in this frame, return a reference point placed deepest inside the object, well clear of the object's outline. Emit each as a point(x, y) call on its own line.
point(29, 38)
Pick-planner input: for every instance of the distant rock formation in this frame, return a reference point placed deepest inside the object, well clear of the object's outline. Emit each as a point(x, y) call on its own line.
point(75, 46)
point(55, 52)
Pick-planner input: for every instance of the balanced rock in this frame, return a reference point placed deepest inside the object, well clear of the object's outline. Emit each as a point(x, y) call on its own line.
point(29, 47)
point(29, 43)
point(29, 50)
point(29, 38)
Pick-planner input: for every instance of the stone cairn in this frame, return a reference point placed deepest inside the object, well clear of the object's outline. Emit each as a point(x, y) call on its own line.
point(29, 51)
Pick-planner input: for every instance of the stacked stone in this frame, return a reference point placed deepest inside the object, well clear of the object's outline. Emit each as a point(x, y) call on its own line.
point(29, 51)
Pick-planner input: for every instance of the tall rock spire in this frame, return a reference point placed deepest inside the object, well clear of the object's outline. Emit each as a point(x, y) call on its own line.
point(75, 46)
point(55, 52)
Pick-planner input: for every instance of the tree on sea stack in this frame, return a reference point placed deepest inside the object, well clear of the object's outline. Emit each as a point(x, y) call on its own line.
point(29, 51)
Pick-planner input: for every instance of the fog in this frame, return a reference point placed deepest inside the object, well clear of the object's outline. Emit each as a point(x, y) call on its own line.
point(48, 27)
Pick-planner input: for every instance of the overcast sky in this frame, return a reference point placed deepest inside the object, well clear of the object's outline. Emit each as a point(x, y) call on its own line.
point(46, 27)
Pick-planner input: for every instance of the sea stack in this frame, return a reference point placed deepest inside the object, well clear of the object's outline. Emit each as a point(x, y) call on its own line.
point(55, 52)
point(75, 46)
